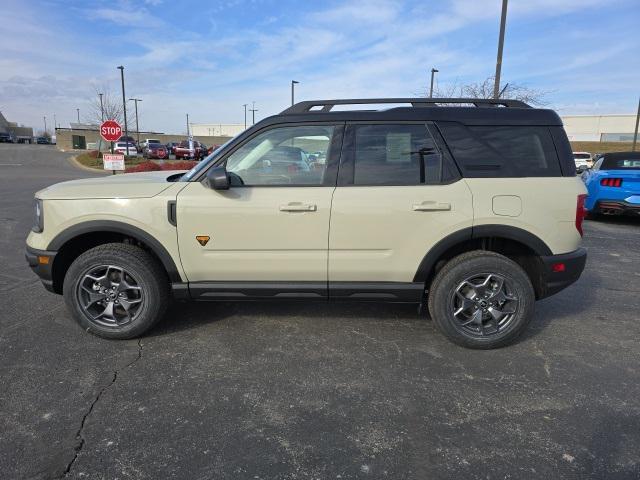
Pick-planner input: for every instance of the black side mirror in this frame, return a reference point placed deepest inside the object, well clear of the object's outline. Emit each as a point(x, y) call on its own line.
point(217, 178)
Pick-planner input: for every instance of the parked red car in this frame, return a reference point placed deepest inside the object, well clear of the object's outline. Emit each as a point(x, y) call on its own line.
point(156, 150)
point(199, 151)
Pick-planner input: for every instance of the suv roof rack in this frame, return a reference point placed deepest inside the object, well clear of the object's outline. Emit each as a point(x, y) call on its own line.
point(311, 106)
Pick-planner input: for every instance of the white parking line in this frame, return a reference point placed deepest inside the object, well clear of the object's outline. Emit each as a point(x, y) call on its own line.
point(10, 164)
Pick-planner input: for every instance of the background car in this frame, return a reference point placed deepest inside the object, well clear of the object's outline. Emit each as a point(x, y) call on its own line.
point(121, 147)
point(155, 150)
point(198, 151)
point(614, 184)
point(583, 161)
point(148, 141)
point(131, 140)
point(6, 137)
point(42, 141)
point(171, 147)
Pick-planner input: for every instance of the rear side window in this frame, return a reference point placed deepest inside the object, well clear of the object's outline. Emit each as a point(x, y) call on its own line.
point(502, 151)
point(389, 154)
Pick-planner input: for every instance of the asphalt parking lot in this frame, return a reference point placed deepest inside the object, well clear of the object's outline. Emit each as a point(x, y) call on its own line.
point(314, 391)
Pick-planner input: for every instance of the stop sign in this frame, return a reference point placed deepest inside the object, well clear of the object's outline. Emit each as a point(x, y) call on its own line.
point(110, 130)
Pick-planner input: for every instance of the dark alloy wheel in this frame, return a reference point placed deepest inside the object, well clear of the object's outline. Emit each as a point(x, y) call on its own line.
point(481, 299)
point(116, 290)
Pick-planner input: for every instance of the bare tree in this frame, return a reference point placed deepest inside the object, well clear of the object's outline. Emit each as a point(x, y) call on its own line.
point(484, 89)
point(111, 105)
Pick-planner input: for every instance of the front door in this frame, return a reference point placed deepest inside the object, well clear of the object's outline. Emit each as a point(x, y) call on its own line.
point(268, 232)
point(398, 194)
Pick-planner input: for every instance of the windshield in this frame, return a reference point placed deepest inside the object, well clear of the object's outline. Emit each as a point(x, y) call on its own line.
point(209, 160)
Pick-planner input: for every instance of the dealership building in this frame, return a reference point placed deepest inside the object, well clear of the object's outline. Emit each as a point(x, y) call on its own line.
point(600, 128)
point(20, 134)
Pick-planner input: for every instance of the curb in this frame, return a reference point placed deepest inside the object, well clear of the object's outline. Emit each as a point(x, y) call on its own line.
point(73, 161)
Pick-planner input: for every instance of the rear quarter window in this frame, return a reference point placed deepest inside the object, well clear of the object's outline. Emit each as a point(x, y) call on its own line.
point(502, 151)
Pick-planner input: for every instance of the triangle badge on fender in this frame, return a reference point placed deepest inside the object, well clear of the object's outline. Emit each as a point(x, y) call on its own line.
point(202, 239)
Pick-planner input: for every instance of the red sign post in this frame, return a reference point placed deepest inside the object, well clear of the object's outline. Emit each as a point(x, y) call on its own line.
point(110, 130)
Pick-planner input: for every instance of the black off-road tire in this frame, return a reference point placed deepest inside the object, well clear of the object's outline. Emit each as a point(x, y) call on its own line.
point(468, 265)
point(142, 267)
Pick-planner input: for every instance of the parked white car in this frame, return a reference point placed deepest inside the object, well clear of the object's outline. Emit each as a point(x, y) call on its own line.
point(582, 160)
point(121, 147)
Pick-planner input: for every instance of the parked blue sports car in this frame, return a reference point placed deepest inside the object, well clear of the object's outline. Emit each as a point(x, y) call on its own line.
point(614, 184)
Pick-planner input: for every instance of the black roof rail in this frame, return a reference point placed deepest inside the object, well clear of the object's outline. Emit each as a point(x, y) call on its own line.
point(327, 105)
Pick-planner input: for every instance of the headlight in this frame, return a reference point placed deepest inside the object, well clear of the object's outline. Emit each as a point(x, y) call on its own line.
point(38, 224)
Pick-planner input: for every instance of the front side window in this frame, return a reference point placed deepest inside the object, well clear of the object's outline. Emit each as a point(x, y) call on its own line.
point(282, 156)
point(394, 155)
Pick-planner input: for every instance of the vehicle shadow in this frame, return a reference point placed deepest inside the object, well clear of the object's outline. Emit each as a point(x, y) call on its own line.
point(615, 220)
point(189, 315)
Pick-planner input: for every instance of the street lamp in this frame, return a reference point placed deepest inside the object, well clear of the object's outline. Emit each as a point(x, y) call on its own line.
point(253, 113)
point(433, 74)
point(135, 101)
point(503, 21)
point(245, 115)
point(78, 112)
point(101, 107)
point(293, 83)
point(124, 106)
point(45, 125)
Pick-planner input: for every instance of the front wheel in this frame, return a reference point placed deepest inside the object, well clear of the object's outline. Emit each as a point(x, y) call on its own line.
point(481, 300)
point(116, 290)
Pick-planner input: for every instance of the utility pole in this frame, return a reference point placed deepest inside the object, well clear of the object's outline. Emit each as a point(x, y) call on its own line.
point(187, 124)
point(124, 106)
point(78, 112)
point(635, 135)
point(55, 122)
point(101, 107)
point(245, 115)
point(503, 22)
point(135, 101)
point(433, 74)
point(293, 84)
point(253, 113)
point(45, 125)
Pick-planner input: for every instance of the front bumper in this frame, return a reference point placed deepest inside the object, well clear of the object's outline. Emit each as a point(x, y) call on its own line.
point(560, 271)
point(616, 207)
point(41, 262)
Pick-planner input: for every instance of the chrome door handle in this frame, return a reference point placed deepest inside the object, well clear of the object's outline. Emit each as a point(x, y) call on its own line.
point(431, 206)
point(298, 207)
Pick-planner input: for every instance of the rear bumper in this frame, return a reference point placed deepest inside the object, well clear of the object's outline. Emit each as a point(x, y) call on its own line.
point(36, 260)
point(616, 207)
point(560, 271)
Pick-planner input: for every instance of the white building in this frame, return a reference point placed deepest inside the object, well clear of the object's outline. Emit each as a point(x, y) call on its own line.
point(216, 129)
point(600, 128)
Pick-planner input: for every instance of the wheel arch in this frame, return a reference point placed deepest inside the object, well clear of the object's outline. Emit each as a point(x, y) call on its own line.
point(77, 239)
point(522, 246)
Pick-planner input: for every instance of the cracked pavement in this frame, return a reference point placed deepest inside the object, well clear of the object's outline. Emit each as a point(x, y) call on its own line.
point(314, 391)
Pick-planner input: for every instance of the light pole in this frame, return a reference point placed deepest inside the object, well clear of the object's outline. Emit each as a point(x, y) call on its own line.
point(433, 74)
point(293, 84)
point(253, 113)
point(187, 125)
point(45, 125)
point(135, 101)
point(245, 115)
point(635, 134)
point(101, 107)
point(124, 106)
point(503, 22)
point(78, 112)
point(55, 123)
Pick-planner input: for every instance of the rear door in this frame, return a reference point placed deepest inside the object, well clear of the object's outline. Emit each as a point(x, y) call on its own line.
point(398, 194)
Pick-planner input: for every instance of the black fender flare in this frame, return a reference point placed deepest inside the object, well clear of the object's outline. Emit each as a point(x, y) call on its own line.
point(537, 245)
point(93, 226)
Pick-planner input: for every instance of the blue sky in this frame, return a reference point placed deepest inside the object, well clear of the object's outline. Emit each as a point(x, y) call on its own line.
point(207, 58)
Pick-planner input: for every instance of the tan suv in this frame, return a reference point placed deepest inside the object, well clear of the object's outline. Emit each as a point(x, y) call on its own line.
point(471, 207)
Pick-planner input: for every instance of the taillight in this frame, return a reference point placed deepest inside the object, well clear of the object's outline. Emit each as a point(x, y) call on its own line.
point(581, 213)
point(611, 182)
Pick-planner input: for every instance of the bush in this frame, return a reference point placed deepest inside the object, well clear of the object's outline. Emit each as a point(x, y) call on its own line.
point(95, 154)
point(144, 167)
point(182, 165)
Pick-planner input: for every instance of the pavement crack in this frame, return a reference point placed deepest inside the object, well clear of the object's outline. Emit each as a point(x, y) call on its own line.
point(80, 440)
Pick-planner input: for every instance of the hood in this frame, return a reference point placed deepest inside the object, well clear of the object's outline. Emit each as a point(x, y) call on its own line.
point(129, 185)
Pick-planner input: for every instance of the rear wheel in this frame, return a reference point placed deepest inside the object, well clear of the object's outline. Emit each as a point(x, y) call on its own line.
point(116, 290)
point(481, 300)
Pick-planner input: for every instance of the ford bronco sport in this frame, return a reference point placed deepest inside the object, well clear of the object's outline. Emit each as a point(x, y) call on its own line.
point(469, 207)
